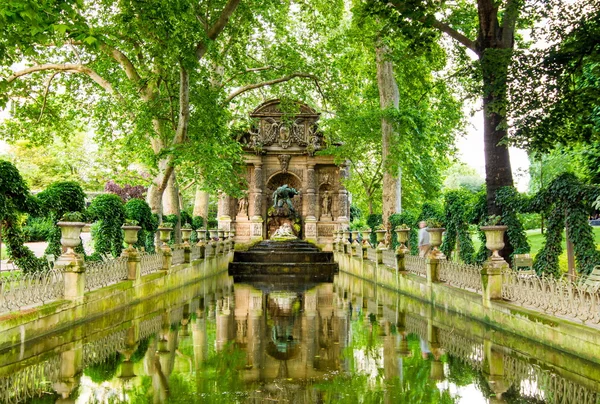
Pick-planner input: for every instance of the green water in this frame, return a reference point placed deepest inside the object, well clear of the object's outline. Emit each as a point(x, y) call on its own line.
point(346, 342)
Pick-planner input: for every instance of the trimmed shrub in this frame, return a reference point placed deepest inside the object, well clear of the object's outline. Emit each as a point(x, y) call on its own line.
point(109, 211)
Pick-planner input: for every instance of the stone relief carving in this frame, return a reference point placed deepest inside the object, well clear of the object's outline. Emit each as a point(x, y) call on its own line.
point(326, 230)
point(243, 206)
point(284, 161)
point(326, 204)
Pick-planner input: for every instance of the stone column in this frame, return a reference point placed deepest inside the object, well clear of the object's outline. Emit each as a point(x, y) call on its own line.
point(256, 228)
point(491, 278)
point(343, 207)
point(71, 368)
point(310, 221)
point(224, 214)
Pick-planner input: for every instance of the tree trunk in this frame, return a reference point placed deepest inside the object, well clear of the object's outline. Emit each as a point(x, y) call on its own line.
point(388, 97)
point(201, 204)
point(171, 197)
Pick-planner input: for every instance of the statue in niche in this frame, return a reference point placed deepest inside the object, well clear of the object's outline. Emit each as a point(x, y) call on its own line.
point(326, 204)
point(243, 206)
point(283, 195)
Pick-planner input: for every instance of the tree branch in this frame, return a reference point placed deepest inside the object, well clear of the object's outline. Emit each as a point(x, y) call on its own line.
point(249, 87)
point(46, 96)
point(461, 38)
point(256, 69)
point(217, 27)
point(68, 68)
point(511, 12)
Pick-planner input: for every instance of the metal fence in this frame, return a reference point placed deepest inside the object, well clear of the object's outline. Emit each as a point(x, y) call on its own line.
point(416, 265)
point(30, 382)
point(460, 275)
point(466, 349)
point(544, 386)
point(19, 290)
point(150, 263)
point(552, 296)
point(97, 351)
point(99, 274)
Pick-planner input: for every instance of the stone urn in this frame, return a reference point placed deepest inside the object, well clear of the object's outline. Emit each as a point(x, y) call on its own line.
point(337, 237)
point(69, 235)
point(214, 233)
point(220, 233)
point(354, 236)
point(231, 234)
point(131, 235)
point(402, 234)
point(165, 233)
point(494, 240)
point(201, 233)
point(366, 237)
point(380, 234)
point(185, 235)
point(435, 238)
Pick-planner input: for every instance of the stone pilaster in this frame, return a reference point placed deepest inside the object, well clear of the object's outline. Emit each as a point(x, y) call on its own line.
point(224, 214)
point(311, 185)
point(343, 208)
point(256, 228)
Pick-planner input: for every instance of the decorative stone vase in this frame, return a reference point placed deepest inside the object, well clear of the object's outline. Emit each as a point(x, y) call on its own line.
point(232, 234)
point(402, 235)
point(201, 236)
point(380, 234)
point(131, 235)
point(494, 240)
point(185, 236)
point(366, 237)
point(69, 235)
point(220, 233)
point(354, 236)
point(214, 233)
point(165, 234)
point(337, 237)
point(435, 238)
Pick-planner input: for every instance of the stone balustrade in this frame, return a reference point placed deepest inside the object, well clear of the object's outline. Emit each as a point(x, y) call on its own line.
point(494, 281)
point(72, 277)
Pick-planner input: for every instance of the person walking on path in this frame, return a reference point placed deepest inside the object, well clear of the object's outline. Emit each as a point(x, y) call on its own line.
point(424, 243)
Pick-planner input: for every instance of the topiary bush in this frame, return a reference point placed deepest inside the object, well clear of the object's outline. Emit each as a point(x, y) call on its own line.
point(15, 200)
point(108, 210)
point(457, 206)
point(139, 210)
point(57, 199)
point(38, 228)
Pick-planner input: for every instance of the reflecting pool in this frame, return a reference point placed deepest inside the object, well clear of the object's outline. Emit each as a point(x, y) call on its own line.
point(346, 341)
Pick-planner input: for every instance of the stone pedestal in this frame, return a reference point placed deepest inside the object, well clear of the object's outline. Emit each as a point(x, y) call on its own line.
point(310, 229)
point(256, 229)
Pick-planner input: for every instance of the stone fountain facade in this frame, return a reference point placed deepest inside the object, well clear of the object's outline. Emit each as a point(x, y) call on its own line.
point(280, 149)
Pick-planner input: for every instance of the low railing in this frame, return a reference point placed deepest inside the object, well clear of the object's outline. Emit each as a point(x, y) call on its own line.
point(150, 263)
point(97, 351)
point(178, 256)
point(389, 258)
point(460, 275)
point(99, 274)
point(466, 349)
point(416, 265)
point(195, 253)
point(150, 326)
point(19, 290)
point(533, 382)
point(416, 325)
point(552, 296)
point(30, 382)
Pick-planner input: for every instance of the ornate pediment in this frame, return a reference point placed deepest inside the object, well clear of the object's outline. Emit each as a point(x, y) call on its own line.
point(276, 131)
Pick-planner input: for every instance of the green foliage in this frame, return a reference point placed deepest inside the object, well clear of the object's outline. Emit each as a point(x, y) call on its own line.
point(58, 198)
point(457, 205)
point(105, 370)
point(141, 349)
point(139, 210)
point(568, 201)
point(15, 200)
point(38, 228)
point(109, 212)
point(530, 221)
point(374, 220)
point(511, 203)
point(72, 217)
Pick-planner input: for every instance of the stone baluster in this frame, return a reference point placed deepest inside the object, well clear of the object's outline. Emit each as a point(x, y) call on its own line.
point(70, 262)
point(310, 222)
point(256, 228)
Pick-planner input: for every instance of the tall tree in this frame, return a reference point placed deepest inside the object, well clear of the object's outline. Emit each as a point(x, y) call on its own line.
point(487, 29)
